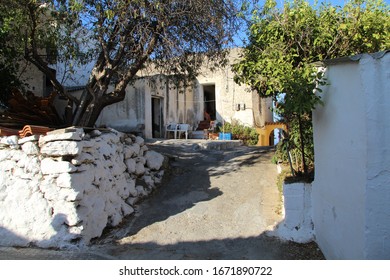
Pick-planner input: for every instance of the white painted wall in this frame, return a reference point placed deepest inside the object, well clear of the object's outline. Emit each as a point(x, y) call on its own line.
point(351, 191)
point(126, 115)
point(228, 93)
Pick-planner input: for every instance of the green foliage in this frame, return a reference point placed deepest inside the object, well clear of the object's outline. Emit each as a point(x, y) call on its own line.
point(241, 132)
point(285, 44)
point(120, 38)
point(8, 54)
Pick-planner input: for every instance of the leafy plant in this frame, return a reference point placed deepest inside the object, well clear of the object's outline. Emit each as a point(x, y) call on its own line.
point(241, 132)
point(284, 47)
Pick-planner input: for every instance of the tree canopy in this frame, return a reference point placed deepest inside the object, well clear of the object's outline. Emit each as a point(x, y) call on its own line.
point(120, 37)
point(285, 44)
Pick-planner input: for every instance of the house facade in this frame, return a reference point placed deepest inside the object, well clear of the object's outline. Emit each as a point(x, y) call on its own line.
point(153, 102)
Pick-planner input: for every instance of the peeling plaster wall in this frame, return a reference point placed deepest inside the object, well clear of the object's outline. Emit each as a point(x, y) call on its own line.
point(351, 190)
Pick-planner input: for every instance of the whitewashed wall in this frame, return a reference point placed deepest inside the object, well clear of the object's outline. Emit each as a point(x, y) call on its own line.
point(351, 191)
point(228, 94)
point(64, 189)
point(125, 116)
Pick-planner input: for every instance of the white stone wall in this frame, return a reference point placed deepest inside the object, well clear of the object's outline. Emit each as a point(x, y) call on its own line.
point(63, 189)
point(351, 190)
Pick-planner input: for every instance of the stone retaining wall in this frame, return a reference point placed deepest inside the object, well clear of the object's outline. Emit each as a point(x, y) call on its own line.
point(64, 188)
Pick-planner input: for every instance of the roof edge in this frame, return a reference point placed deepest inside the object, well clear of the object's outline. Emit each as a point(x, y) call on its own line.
point(355, 58)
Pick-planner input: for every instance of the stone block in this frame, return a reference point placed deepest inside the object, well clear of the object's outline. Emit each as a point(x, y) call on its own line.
point(32, 138)
point(30, 148)
point(83, 158)
point(154, 160)
point(62, 148)
point(10, 140)
point(139, 169)
point(50, 166)
point(130, 164)
point(76, 135)
point(139, 140)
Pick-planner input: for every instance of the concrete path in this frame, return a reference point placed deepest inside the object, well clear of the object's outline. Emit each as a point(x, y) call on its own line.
point(213, 204)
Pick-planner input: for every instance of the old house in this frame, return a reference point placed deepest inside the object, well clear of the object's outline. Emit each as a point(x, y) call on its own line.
point(153, 102)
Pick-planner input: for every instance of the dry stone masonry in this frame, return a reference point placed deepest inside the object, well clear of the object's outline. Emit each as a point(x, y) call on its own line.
point(63, 189)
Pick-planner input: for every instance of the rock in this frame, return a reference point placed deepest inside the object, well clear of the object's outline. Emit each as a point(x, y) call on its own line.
point(142, 192)
point(83, 158)
point(62, 148)
point(149, 181)
point(50, 166)
point(32, 138)
point(139, 169)
point(143, 149)
point(10, 141)
point(7, 165)
point(130, 164)
point(95, 133)
point(154, 160)
point(139, 140)
point(30, 148)
point(118, 168)
point(132, 200)
point(141, 160)
point(128, 152)
point(75, 134)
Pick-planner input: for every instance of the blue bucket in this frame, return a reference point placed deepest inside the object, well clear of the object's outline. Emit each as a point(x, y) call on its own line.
point(225, 136)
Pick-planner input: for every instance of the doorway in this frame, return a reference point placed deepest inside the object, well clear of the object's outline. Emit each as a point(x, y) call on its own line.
point(209, 101)
point(157, 118)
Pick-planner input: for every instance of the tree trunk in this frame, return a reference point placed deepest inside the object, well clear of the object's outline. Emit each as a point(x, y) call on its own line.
point(81, 108)
point(305, 171)
point(91, 114)
point(91, 105)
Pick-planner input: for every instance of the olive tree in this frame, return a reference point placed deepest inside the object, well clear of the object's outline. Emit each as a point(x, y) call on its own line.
point(122, 37)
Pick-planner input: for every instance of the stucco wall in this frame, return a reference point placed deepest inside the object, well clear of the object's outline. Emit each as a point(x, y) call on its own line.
point(228, 94)
point(126, 115)
point(376, 87)
point(351, 139)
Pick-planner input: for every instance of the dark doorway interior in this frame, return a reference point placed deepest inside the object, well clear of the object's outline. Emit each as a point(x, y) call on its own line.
point(156, 117)
point(209, 101)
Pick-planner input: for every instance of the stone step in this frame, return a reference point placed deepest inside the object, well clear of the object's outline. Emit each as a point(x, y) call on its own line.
point(199, 134)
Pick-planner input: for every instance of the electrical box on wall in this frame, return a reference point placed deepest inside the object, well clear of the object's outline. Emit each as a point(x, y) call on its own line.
point(242, 106)
point(237, 107)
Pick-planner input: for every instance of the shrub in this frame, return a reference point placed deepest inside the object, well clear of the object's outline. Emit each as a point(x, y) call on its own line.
point(241, 132)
